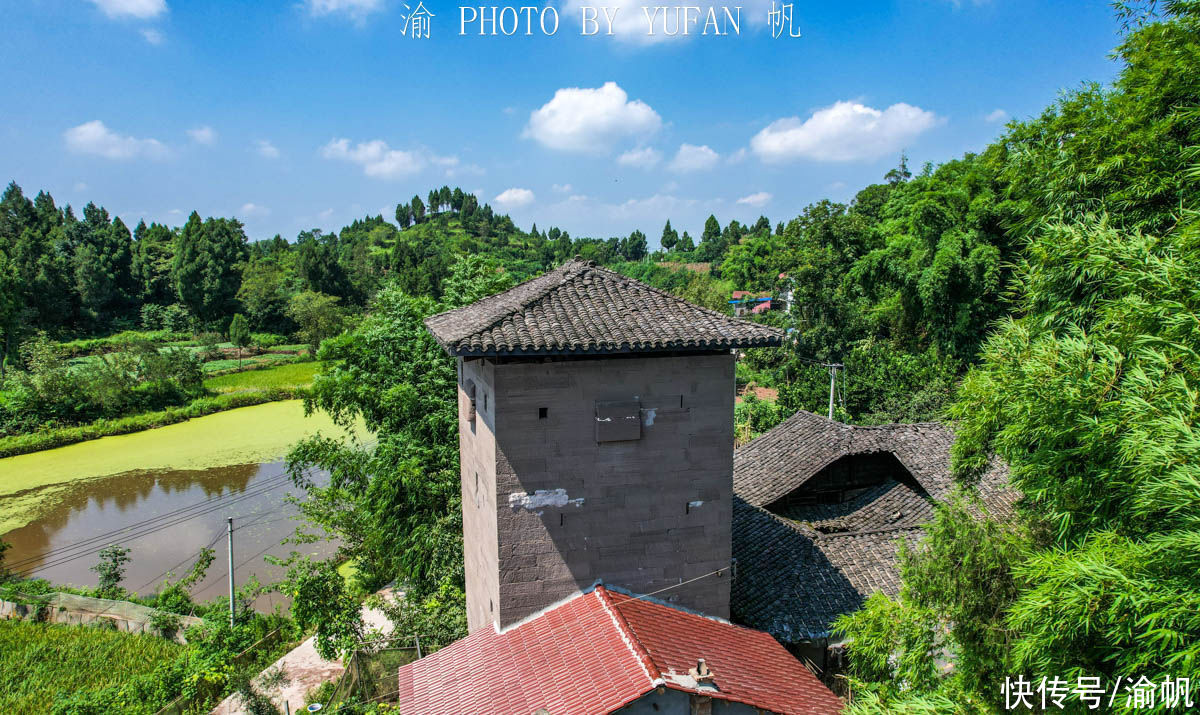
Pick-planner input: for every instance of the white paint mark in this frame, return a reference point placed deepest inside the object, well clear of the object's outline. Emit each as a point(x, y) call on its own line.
point(648, 416)
point(542, 498)
point(694, 504)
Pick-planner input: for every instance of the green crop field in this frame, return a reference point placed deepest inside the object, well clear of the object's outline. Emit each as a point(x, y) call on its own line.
point(38, 660)
point(298, 374)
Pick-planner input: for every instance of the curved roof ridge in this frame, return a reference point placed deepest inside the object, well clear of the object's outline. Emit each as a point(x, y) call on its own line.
point(583, 308)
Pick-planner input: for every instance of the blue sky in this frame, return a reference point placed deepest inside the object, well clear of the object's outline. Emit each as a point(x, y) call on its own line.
point(300, 114)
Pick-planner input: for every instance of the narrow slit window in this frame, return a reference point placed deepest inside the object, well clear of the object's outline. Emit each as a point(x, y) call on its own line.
point(543, 412)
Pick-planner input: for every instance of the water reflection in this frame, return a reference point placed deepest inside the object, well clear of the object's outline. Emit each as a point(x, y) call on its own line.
point(165, 518)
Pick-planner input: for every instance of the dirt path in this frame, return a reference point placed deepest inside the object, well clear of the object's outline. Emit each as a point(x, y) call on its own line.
point(306, 670)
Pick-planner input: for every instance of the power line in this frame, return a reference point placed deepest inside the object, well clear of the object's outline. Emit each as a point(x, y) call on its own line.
point(682, 583)
point(57, 556)
point(271, 482)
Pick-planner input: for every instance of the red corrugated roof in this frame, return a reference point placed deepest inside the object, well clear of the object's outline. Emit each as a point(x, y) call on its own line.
point(601, 650)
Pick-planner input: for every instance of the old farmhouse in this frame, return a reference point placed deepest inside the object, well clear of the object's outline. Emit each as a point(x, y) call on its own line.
point(611, 532)
point(820, 509)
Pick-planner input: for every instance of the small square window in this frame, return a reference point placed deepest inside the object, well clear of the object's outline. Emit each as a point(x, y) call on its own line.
point(543, 412)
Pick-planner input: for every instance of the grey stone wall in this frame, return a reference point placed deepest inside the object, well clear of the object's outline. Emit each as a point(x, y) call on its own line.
point(477, 450)
point(642, 514)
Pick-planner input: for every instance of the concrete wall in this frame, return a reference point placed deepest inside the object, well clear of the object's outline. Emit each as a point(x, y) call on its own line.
point(477, 450)
point(566, 510)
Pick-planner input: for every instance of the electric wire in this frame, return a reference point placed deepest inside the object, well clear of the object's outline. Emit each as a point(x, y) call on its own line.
point(271, 482)
point(57, 557)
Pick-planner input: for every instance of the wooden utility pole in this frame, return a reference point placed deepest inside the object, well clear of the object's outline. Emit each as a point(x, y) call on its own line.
point(231, 606)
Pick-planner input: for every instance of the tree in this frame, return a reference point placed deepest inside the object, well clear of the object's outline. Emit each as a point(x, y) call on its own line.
point(418, 209)
point(205, 267)
point(318, 315)
point(636, 247)
point(264, 295)
point(239, 334)
point(685, 243)
point(151, 266)
point(111, 571)
point(396, 508)
point(669, 237)
point(10, 311)
point(103, 264)
point(711, 247)
point(404, 215)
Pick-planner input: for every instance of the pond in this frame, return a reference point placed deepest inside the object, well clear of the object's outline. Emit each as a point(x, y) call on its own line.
point(165, 518)
point(164, 494)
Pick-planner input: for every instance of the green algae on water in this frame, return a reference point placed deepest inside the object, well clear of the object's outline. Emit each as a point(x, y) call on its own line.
point(262, 433)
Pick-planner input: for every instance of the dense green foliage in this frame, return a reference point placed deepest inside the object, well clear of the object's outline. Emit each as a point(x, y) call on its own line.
point(1089, 392)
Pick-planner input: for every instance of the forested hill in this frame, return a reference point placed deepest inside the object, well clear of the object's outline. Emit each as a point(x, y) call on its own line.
point(901, 284)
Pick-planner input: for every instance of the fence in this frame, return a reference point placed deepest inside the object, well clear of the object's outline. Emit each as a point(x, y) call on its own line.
point(84, 610)
point(372, 672)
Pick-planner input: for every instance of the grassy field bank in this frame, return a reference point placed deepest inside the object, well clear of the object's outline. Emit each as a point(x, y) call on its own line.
point(292, 375)
point(38, 660)
point(231, 391)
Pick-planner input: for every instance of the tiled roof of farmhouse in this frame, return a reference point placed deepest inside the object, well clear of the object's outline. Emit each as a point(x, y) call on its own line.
point(798, 571)
point(598, 651)
point(581, 308)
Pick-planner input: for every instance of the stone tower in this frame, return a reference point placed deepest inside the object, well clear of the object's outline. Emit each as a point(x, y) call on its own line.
point(596, 436)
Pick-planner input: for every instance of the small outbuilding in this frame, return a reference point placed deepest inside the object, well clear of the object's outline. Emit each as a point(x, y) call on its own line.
point(607, 651)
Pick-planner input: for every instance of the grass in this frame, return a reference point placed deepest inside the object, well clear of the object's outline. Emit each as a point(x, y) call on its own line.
point(39, 660)
point(247, 363)
point(290, 375)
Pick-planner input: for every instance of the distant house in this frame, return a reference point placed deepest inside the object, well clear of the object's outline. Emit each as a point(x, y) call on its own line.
point(820, 509)
point(746, 302)
point(605, 651)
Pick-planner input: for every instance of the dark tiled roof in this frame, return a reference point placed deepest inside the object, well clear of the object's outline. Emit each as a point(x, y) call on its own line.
point(784, 458)
point(793, 581)
point(581, 308)
point(599, 651)
point(798, 571)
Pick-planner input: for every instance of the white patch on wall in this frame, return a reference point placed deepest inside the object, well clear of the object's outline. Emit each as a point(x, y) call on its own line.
point(541, 499)
point(694, 504)
point(648, 416)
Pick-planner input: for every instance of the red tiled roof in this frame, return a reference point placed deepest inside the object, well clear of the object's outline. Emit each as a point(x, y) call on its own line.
point(601, 650)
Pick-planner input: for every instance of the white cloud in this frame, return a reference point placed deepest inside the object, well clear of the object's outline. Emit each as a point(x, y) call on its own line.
point(643, 158)
point(846, 131)
point(590, 120)
point(996, 115)
point(737, 157)
point(691, 157)
point(80, 186)
point(141, 9)
point(562, 188)
point(203, 135)
point(153, 36)
point(380, 161)
point(96, 139)
point(250, 210)
point(514, 197)
point(266, 149)
point(326, 214)
point(761, 198)
point(356, 10)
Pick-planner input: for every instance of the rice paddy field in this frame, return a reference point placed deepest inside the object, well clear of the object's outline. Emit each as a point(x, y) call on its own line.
point(38, 660)
point(296, 374)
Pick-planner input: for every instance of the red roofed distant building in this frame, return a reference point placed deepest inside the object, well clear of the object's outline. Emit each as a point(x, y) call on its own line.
point(604, 651)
